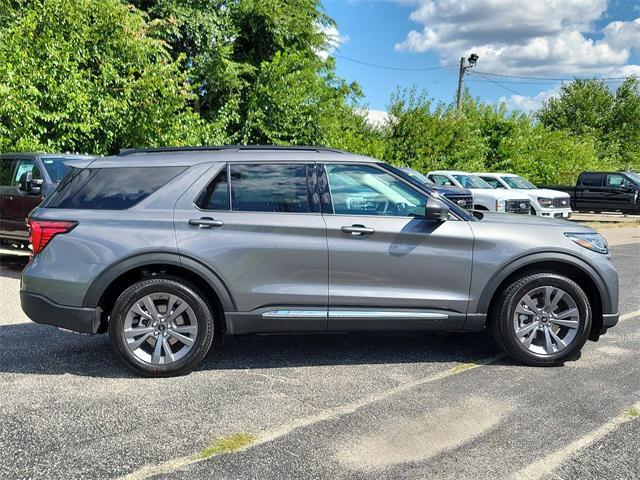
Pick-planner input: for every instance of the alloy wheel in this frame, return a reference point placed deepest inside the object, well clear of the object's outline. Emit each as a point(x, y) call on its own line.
point(160, 328)
point(546, 320)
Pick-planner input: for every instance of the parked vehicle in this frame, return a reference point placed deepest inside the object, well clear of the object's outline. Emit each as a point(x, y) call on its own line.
point(176, 246)
point(544, 202)
point(485, 197)
point(25, 179)
point(605, 192)
point(460, 196)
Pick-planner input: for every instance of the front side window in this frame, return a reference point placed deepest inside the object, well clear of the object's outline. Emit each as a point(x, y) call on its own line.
point(109, 188)
point(616, 180)
point(442, 180)
point(24, 166)
point(271, 188)
point(519, 183)
point(493, 182)
point(366, 190)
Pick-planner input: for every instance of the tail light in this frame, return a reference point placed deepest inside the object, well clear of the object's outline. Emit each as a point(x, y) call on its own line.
point(42, 231)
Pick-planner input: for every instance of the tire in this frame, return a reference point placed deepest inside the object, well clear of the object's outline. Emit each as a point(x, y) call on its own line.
point(546, 336)
point(168, 338)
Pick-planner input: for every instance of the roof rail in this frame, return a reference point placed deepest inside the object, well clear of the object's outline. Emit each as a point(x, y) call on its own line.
point(132, 151)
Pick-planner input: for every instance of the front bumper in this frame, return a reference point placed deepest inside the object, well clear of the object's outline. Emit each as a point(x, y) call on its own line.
point(554, 212)
point(42, 310)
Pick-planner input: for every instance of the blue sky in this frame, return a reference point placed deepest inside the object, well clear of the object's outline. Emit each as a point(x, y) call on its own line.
point(535, 38)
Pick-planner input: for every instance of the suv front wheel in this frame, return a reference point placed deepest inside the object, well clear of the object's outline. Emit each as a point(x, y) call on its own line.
point(542, 319)
point(161, 327)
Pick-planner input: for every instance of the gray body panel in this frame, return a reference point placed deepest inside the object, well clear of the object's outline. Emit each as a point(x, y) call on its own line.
point(299, 272)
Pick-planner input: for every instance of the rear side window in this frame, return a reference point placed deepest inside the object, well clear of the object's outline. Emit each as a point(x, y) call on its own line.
point(109, 188)
point(6, 169)
point(270, 188)
point(591, 179)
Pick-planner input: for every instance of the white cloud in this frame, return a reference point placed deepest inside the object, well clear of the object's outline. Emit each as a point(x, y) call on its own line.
point(537, 37)
point(377, 118)
point(334, 40)
point(529, 103)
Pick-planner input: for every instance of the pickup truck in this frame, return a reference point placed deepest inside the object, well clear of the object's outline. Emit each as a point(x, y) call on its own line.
point(605, 192)
point(25, 179)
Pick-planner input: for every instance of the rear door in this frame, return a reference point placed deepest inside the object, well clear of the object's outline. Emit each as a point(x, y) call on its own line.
point(590, 191)
point(259, 227)
point(6, 169)
point(387, 269)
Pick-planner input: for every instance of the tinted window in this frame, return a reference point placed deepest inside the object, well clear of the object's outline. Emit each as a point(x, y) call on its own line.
point(591, 179)
point(55, 167)
point(270, 188)
point(6, 169)
point(365, 190)
point(109, 188)
point(216, 195)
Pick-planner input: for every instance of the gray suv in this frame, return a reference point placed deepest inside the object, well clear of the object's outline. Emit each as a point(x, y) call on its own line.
point(166, 249)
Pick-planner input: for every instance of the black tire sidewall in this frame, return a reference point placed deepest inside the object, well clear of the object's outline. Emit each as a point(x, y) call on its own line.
point(184, 291)
point(515, 292)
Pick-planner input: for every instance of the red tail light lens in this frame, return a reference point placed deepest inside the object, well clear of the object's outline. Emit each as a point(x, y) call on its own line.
point(42, 231)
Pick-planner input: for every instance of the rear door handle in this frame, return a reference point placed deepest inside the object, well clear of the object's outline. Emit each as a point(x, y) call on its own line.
point(205, 222)
point(358, 230)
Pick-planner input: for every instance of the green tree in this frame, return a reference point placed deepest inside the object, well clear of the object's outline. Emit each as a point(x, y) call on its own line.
point(87, 76)
point(611, 118)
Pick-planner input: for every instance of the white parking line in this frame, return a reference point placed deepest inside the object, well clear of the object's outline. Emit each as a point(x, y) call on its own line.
point(545, 465)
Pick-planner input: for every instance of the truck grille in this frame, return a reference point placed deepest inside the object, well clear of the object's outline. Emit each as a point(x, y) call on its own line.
point(518, 206)
point(561, 202)
point(464, 201)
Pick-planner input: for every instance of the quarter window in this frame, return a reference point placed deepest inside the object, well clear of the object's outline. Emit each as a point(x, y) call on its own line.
point(271, 188)
point(216, 195)
point(366, 190)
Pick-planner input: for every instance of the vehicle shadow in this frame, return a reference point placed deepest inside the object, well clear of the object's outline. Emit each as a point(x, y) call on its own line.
point(29, 348)
point(11, 264)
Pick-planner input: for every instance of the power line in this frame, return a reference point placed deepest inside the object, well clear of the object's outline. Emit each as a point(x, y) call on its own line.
point(388, 67)
point(557, 79)
point(506, 88)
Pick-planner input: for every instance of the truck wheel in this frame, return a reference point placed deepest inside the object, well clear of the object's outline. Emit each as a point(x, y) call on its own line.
point(542, 319)
point(161, 327)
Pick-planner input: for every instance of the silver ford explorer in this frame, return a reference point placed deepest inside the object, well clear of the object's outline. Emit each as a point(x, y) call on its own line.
point(166, 249)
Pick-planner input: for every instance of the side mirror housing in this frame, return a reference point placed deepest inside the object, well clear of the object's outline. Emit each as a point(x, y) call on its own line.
point(434, 210)
point(28, 185)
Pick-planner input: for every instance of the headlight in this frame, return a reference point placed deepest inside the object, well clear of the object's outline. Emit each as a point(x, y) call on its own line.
point(545, 202)
point(592, 241)
point(500, 205)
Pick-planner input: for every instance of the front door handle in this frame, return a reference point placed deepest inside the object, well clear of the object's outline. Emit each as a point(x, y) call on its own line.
point(358, 230)
point(205, 222)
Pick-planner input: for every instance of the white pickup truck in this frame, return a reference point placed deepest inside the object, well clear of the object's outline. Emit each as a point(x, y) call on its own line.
point(485, 197)
point(546, 203)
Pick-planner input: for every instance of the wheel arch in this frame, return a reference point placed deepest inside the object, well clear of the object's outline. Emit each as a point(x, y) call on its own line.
point(562, 264)
point(105, 289)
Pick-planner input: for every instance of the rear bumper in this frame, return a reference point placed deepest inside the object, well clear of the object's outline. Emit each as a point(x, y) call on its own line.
point(610, 319)
point(42, 310)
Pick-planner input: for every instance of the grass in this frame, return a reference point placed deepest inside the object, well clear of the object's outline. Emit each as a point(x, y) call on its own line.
point(634, 412)
point(226, 444)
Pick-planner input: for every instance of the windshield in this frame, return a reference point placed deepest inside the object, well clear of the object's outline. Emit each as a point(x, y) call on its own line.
point(417, 175)
point(471, 181)
point(518, 183)
point(55, 167)
point(635, 177)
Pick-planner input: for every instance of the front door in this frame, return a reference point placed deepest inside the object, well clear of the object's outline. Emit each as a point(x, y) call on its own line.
point(259, 227)
point(16, 204)
point(388, 269)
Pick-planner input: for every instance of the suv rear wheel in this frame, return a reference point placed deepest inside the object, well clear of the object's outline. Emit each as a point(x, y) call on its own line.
point(161, 327)
point(542, 319)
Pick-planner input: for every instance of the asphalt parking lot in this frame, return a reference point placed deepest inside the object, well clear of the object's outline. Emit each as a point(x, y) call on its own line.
point(352, 406)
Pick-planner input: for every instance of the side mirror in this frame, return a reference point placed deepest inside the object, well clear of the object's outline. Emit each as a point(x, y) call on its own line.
point(28, 185)
point(433, 210)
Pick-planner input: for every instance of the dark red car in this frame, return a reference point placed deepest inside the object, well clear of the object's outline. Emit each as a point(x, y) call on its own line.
point(25, 179)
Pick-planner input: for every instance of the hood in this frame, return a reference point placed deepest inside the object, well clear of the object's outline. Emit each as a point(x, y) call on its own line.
point(546, 193)
point(450, 190)
point(512, 219)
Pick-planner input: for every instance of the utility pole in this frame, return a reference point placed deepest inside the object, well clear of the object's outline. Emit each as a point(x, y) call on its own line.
point(473, 58)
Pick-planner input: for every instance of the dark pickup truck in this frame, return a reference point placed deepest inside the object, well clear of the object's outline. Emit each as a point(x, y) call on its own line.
point(25, 179)
point(605, 192)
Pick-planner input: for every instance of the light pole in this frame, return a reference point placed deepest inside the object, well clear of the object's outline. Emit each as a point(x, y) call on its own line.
point(473, 58)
